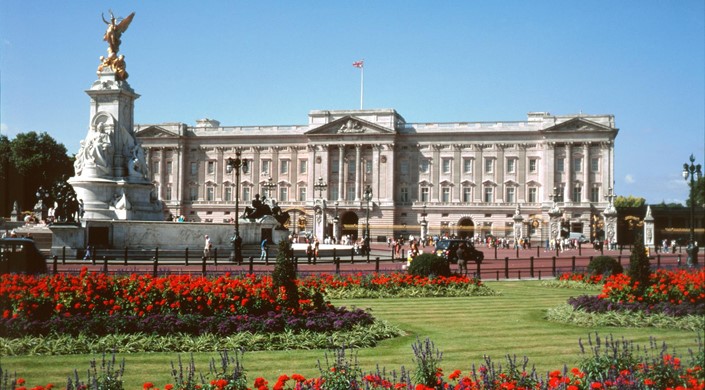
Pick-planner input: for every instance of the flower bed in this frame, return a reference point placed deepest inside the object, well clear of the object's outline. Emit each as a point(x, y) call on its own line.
point(609, 364)
point(395, 285)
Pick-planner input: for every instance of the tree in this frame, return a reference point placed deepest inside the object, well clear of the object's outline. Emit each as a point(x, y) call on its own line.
point(29, 161)
point(698, 193)
point(628, 201)
point(639, 265)
point(284, 274)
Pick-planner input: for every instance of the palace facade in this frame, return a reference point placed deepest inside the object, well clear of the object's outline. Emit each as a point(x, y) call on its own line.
point(458, 178)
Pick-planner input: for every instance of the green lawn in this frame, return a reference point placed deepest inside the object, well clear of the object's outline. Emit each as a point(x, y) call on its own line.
point(464, 329)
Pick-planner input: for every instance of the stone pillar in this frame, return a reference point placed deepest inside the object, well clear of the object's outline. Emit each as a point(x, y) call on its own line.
point(610, 218)
point(649, 229)
point(518, 224)
point(358, 168)
point(341, 175)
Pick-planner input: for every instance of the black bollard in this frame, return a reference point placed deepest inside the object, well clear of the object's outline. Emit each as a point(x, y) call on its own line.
point(105, 265)
point(377, 264)
point(572, 264)
point(55, 259)
point(93, 254)
point(531, 266)
point(580, 248)
point(538, 253)
point(186, 256)
point(495, 252)
point(252, 264)
point(337, 265)
point(156, 253)
point(155, 266)
point(215, 257)
point(517, 251)
point(352, 256)
point(553, 265)
point(63, 255)
point(506, 267)
point(203, 265)
point(658, 261)
point(125, 255)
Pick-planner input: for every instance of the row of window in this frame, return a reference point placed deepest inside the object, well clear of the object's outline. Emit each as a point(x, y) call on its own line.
point(488, 195)
point(424, 166)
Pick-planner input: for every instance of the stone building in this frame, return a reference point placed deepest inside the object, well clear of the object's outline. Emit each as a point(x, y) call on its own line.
point(459, 178)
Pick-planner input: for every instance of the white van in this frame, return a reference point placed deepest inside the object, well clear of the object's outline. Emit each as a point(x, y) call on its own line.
point(579, 237)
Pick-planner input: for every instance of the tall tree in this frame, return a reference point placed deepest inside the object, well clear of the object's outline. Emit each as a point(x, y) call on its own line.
point(6, 167)
point(628, 201)
point(698, 193)
point(34, 160)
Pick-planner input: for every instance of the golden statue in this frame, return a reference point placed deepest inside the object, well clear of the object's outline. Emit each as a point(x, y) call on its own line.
point(116, 27)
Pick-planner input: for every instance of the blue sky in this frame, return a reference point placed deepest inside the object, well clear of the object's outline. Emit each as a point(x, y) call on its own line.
point(271, 62)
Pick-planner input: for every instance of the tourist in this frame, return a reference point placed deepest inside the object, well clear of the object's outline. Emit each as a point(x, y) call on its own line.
point(263, 250)
point(207, 248)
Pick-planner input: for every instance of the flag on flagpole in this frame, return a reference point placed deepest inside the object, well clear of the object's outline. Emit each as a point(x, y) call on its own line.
point(359, 64)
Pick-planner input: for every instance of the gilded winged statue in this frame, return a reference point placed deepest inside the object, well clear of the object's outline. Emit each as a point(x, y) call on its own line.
point(116, 27)
point(114, 32)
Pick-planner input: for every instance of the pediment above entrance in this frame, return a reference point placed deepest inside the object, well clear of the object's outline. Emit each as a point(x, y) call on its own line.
point(578, 125)
point(155, 132)
point(350, 125)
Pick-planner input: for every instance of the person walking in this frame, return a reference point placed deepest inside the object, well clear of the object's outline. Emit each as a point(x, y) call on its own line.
point(208, 245)
point(462, 260)
point(263, 250)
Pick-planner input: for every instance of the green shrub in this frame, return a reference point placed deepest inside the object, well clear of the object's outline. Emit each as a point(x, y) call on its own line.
point(604, 265)
point(429, 265)
point(284, 274)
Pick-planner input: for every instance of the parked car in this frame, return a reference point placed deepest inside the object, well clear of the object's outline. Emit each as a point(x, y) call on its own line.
point(20, 255)
point(579, 237)
point(447, 249)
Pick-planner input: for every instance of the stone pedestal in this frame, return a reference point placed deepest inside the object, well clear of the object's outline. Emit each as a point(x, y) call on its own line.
point(111, 171)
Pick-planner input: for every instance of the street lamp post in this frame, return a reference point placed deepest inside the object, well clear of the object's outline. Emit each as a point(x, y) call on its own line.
point(268, 186)
point(235, 165)
point(691, 171)
point(320, 185)
point(368, 199)
point(336, 224)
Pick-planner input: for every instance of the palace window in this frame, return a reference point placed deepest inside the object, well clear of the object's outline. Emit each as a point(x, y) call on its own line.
point(424, 194)
point(404, 167)
point(228, 194)
point(211, 167)
point(404, 194)
point(303, 166)
point(511, 165)
point(284, 167)
point(351, 193)
point(246, 194)
point(467, 194)
point(446, 165)
point(578, 164)
point(577, 194)
point(424, 166)
point(155, 167)
point(168, 167)
point(489, 195)
point(302, 194)
point(265, 166)
point(351, 169)
point(510, 198)
point(533, 194)
point(210, 192)
point(533, 165)
point(168, 192)
point(559, 165)
point(335, 166)
point(283, 194)
point(368, 166)
point(193, 193)
point(595, 194)
point(489, 165)
point(445, 194)
point(467, 165)
point(595, 164)
point(333, 192)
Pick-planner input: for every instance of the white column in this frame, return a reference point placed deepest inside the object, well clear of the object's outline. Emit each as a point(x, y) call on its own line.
point(357, 172)
point(341, 176)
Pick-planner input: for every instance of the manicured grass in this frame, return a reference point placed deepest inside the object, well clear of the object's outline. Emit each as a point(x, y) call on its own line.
point(464, 329)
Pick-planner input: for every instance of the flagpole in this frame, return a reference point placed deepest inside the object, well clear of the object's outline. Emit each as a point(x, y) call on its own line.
point(362, 85)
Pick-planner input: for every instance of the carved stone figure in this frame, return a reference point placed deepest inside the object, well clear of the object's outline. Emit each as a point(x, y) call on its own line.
point(96, 150)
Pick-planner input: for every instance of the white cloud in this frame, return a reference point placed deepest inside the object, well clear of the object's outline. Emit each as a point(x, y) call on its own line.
point(629, 179)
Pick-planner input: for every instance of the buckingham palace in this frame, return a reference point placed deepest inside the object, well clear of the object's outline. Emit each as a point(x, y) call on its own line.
point(346, 171)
